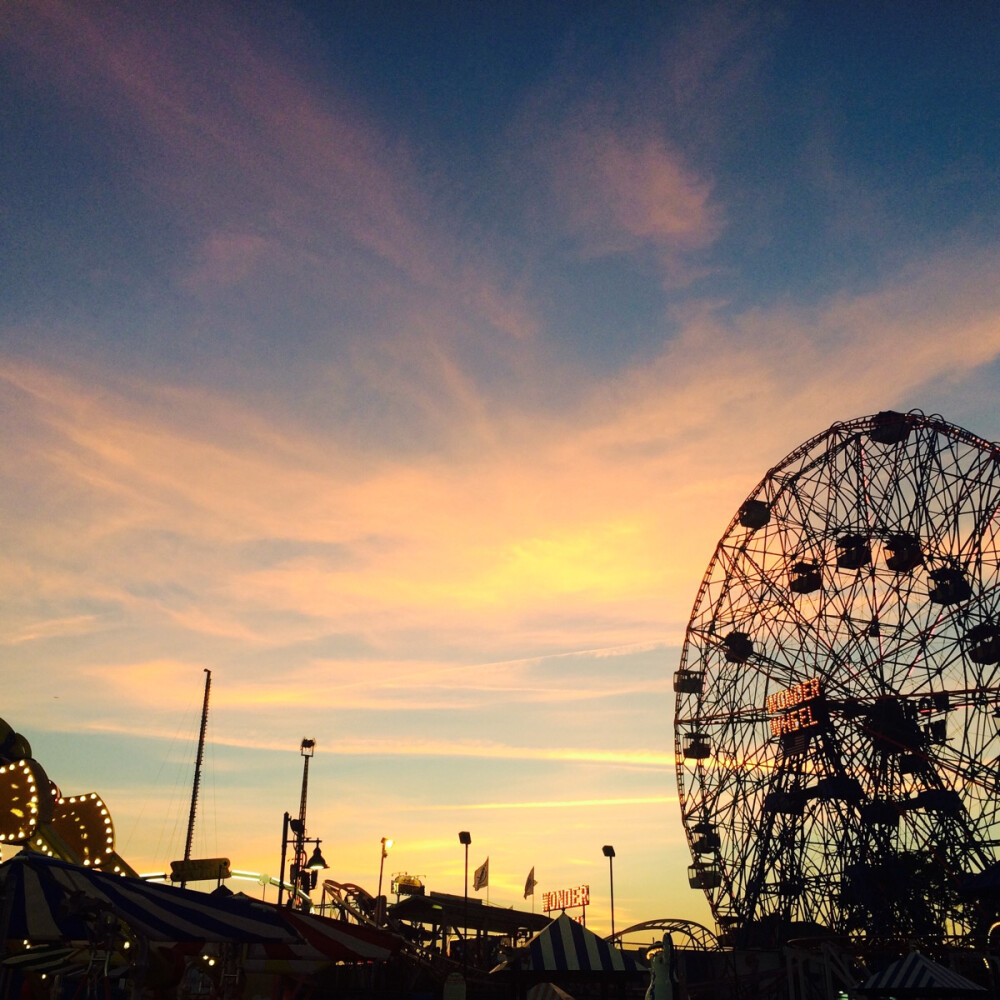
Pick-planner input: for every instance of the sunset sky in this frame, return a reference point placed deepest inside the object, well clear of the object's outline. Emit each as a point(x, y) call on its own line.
point(403, 363)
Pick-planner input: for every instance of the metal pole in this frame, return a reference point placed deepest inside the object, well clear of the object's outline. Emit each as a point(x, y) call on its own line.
point(611, 869)
point(609, 853)
point(307, 750)
point(465, 941)
point(197, 770)
point(465, 838)
point(378, 899)
point(284, 849)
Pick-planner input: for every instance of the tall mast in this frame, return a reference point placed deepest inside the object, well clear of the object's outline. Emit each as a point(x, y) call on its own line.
point(307, 749)
point(197, 768)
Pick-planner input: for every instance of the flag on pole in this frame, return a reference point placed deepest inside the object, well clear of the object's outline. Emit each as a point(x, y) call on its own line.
point(481, 879)
point(530, 883)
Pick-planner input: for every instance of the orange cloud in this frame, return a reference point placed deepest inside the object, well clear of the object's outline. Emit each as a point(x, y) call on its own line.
point(584, 530)
point(349, 746)
point(557, 804)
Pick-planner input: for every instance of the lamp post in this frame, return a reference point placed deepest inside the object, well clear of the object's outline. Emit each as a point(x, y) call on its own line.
point(284, 850)
point(386, 844)
point(299, 875)
point(301, 868)
point(307, 750)
point(609, 853)
point(464, 837)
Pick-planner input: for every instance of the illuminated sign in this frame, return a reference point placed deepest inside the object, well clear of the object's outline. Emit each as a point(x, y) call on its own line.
point(792, 707)
point(565, 899)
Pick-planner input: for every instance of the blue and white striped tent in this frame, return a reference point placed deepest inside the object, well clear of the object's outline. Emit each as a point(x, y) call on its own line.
point(48, 900)
point(915, 976)
point(567, 946)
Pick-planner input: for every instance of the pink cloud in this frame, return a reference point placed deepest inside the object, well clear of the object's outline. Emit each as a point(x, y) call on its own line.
point(273, 176)
point(621, 192)
point(227, 259)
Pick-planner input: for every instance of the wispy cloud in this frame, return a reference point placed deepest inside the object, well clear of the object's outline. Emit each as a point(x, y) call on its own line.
point(355, 442)
point(371, 748)
point(46, 629)
point(558, 804)
point(586, 534)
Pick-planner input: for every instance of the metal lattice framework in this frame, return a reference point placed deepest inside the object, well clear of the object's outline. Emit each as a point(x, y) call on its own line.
point(684, 933)
point(838, 695)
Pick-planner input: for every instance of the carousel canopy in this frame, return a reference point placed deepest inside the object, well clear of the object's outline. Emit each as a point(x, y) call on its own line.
point(567, 946)
point(52, 900)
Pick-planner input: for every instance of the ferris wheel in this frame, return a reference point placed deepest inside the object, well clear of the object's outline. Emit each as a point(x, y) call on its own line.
point(838, 695)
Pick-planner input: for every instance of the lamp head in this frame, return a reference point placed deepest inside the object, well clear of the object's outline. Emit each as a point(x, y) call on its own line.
point(464, 837)
point(387, 842)
point(317, 862)
point(609, 851)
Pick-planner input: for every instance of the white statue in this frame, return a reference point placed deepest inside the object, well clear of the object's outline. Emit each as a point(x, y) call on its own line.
point(661, 975)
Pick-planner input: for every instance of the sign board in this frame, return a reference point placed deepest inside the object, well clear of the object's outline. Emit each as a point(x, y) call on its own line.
point(565, 899)
point(792, 708)
point(200, 870)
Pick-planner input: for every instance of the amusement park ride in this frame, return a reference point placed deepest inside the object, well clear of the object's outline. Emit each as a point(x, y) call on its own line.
point(35, 815)
point(838, 697)
point(837, 714)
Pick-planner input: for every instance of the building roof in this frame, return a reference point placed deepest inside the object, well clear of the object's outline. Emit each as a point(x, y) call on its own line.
point(441, 909)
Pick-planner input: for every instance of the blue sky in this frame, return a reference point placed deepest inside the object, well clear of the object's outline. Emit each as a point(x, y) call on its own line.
point(403, 363)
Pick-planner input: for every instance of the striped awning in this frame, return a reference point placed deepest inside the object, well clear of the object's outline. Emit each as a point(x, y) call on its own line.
point(340, 941)
point(918, 976)
point(322, 941)
point(567, 946)
point(52, 900)
point(48, 958)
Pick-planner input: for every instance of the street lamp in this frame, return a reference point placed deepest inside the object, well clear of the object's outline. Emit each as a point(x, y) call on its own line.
point(316, 862)
point(386, 844)
point(300, 866)
point(298, 872)
point(464, 837)
point(609, 853)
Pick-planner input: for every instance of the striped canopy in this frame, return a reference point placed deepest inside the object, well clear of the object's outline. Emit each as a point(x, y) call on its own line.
point(567, 946)
point(324, 940)
point(62, 909)
point(917, 976)
point(52, 900)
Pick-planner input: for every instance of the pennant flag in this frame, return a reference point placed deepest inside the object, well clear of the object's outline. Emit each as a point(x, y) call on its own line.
point(482, 877)
point(530, 883)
